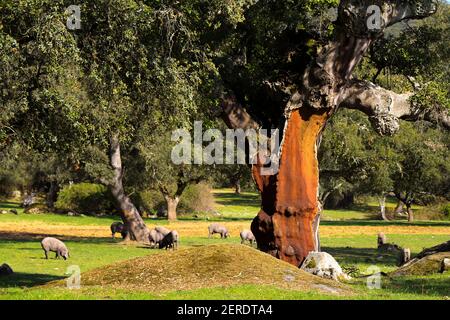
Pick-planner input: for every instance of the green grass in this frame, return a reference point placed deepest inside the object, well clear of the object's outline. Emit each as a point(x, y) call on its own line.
point(32, 270)
point(233, 206)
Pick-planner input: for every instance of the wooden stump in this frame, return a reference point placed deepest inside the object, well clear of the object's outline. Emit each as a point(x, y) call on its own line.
point(381, 239)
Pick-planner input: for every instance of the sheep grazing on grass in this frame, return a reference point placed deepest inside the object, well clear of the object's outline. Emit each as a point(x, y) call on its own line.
point(170, 240)
point(118, 227)
point(217, 228)
point(247, 235)
point(55, 245)
point(155, 237)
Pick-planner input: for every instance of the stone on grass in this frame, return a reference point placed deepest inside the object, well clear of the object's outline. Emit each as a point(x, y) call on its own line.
point(323, 265)
point(445, 265)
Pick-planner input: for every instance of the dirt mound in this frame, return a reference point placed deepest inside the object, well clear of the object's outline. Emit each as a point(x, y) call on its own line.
point(207, 266)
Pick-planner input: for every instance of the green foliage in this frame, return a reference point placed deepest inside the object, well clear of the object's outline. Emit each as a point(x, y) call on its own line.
point(197, 198)
point(149, 201)
point(86, 198)
point(415, 160)
point(446, 209)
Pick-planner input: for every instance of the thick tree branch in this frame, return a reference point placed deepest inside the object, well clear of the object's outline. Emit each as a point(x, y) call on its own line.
point(385, 107)
point(353, 14)
point(235, 115)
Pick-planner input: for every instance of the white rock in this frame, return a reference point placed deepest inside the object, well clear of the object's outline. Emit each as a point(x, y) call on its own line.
point(323, 265)
point(445, 264)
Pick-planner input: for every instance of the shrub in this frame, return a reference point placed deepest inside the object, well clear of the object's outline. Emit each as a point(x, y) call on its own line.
point(197, 198)
point(86, 198)
point(446, 209)
point(148, 201)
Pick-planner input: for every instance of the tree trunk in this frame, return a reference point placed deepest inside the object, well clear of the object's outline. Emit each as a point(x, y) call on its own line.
point(237, 187)
point(137, 230)
point(410, 213)
point(284, 226)
point(399, 208)
point(52, 194)
point(172, 204)
point(382, 202)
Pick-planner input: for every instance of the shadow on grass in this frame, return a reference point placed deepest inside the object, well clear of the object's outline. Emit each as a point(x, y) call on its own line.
point(20, 279)
point(385, 223)
point(8, 236)
point(348, 256)
point(426, 285)
point(9, 205)
point(252, 200)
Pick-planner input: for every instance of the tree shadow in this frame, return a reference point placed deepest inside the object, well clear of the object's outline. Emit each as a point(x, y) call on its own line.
point(428, 285)
point(250, 200)
point(9, 205)
point(348, 256)
point(14, 237)
point(21, 279)
point(384, 223)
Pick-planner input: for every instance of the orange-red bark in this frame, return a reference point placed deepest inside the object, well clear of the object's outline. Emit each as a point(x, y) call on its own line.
point(283, 227)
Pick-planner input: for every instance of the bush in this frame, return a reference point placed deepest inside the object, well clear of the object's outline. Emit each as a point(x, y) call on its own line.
point(446, 209)
point(197, 198)
point(148, 201)
point(86, 198)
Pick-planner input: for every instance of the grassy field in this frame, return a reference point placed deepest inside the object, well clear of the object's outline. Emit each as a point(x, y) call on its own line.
point(350, 236)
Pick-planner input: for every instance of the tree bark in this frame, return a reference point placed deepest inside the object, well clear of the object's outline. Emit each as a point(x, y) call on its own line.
point(52, 194)
point(399, 208)
point(237, 186)
point(285, 225)
point(137, 230)
point(410, 213)
point(172, 203)
point(382, 202)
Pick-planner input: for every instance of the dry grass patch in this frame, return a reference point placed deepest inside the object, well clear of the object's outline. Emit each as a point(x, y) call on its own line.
point(200, 229)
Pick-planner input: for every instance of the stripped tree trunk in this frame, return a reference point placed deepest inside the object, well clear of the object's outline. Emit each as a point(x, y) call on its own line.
point(137, 230)
point(284, 226)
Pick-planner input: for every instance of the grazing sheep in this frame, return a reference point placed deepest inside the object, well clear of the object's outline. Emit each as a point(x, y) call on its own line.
point(118, 227)
point(54, 245)
point(155, 237)
point(217, 228)
point(247, 235)
point(169, 241)
point(164, 231)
